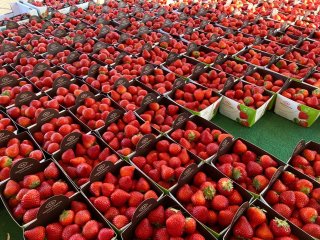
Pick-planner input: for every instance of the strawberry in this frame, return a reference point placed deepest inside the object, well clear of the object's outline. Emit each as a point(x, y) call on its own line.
point(120, 221)
point(185, 193)
point(175, 225)
point(283, 209)
point(308, 214)
point(190, 225)
point(209, 192)
point(280, 228)
point(302, 199)
point(200, 213)
point(105, 234)
point(51, 172)
point(119, 197)
point(263, 232)
point(288, 198)
point(256, 216)
point(11, 189)
point(304, 186)
point(312, 229)
point(54, 231)
point(31, 199)
point(66, 217)
point(81, 217)
point(157, 217)
point(260, 182)
point(310, 155)
point(225, 186)
point(70, 230)
point(239, 147)
point(91, 229)
point(31, 181)
point(88, 140)
point(144, 229)
point(37, 233)
point(242, 228)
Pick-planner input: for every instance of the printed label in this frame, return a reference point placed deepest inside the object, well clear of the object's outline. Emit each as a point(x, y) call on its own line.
point(113, 116)
point(8, 80)
point(39, 69)
point(24, 98)
point(46, 115)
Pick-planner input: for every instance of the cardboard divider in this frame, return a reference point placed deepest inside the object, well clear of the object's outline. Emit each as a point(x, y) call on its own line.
point(29, 166)
point(147, 144)
point(271, 214)
point(48, 116)
point(210, 171)
point(54, 206)
point(167, 202)
point(199, 121)
point(98, 174)
point(70, 141)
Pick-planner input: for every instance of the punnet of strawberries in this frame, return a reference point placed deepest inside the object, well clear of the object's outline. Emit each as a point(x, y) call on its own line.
point(26, 196)
point(119, 193)
point(296, 198)
point(247, 168)
point(303, 96)
point(75, 222)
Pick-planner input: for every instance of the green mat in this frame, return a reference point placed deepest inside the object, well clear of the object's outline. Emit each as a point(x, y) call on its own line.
point(272, 133)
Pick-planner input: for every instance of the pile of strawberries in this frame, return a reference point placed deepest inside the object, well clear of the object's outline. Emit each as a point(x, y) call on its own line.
point(167, 223)
point(303, 96)
point(6, 123)
point(27, 114)
point(119, 194)
point(165, 163)
point(267, 80)
point(200, 140)
point(79, 161)
point(76, 222)
point(308, 162)
point(159, 80)
point(26, 196)
point(244, 166)
point(297, 199)
point(14, 150)
point(256, 224)
point(213, 203)
point(124, 134)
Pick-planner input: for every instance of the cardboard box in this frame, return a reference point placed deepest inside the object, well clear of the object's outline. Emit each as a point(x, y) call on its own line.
point(69, 142)
point(207, 113)
point(147, 144)
point(241, 113)
point(54, 206)
point(227, 148)
point(167, 202)
point(24, 167)
point(18, 9)
point(210, 171)
point(99, 173)
point(300, 114)
point(271, 214)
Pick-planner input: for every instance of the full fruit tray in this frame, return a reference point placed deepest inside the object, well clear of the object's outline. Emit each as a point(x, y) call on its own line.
point(105, 121)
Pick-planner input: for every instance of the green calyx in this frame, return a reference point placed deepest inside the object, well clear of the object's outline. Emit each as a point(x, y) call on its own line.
point(209, 192)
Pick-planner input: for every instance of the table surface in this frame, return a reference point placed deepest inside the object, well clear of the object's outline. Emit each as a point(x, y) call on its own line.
point(273, 133)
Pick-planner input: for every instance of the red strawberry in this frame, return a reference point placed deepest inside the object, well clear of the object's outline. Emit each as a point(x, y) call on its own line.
point(119, 197)
point(175, 225)
point(37, 233)
point(11, 189)
point(283, 209)
point(260, 182)
point(31, 199)
point(70, 230)
point(308, 214)
point(225, 186)
point(66, 217)
point(102, 203)
point(304, 186)
point(120, 221)
point(30, 215)
point(91, 229)
point(254, 169)
point(144, 230)
point(302, 199)
point(31, 181)
point(200, 213)
point(312, 229)
point(242, 228)
point(51, 172)
point(81, 217)
point(310, 155)
point(288, 198)
point(106, 234)
point(280, 228)
point(54, 231)
point(263, 232)
point(156, 216)
point(190, 225)
point(88, 140)
point(239, 147)
point(256, 216)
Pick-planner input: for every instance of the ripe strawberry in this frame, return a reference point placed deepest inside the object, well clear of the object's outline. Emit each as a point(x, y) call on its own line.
point(156, 216)
point(263, 232)
point(11, 189)
point(31, 181)
point(105, 234)
point(66, 217)
point(175, 225)
point(302, 199)
point(239, 147)
point(91, 229)
point(304, 186)
point(190, 225)
point(31, 199)
point(225, 186)
point(51, 172)
point(70, 230)
point(283, 209)
point(54, 231)
point(280, 228)
point(313, 229)
point(242, 228)
point(288, 198)
point(37, 233)
point(119, 197)
point(308, 214)
point(260, 182)
point(120, 221)
point(81, 217)
point(144, 229)
point(200, 213)
point(256, 216)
